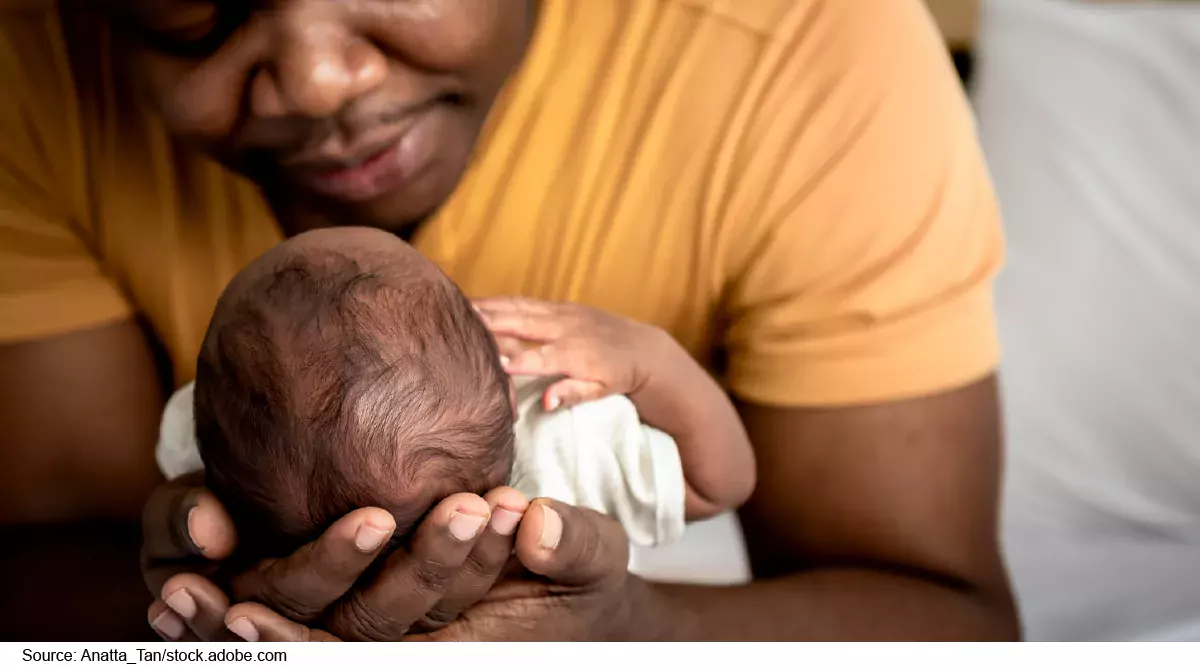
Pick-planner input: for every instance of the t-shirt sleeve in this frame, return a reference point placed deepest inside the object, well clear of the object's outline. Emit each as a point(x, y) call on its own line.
point(867, 233)
point(51, 281)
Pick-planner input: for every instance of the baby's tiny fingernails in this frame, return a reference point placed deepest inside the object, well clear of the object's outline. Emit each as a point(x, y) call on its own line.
point(553, 403)
point(505, 361)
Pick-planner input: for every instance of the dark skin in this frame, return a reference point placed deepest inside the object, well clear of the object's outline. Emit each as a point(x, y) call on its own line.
point(105, 378)
point(79, 416)
point(871, 522)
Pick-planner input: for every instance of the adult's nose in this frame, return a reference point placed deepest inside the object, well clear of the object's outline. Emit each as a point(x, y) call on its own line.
point(317, 65)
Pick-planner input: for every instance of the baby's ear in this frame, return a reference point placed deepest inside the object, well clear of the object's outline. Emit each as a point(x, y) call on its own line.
point(512, 399)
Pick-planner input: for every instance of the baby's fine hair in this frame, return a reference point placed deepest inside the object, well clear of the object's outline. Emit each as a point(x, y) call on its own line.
point(330, 381)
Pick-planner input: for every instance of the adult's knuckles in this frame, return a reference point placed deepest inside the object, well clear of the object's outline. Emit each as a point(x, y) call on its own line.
point(268, 592)
point(431, 576)
point(477, 567)
point(356, 619)
point(437, 618)
point(599, 548)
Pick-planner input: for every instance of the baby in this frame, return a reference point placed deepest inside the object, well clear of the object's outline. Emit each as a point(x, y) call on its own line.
point(342, 370)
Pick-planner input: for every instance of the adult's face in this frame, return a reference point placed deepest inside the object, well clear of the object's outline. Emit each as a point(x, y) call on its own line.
point(367, 109)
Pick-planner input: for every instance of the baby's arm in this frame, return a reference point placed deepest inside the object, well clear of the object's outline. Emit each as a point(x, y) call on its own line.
point(600, 355)
point(681, 399)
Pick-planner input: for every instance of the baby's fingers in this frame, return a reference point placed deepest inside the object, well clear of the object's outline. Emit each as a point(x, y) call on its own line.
point(567, 358)
point(540, 323)
point(571, 392)
point(511, 347)
point(515, 304)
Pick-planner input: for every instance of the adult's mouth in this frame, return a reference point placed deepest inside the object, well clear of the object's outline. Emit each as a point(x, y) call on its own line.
point(376, 164)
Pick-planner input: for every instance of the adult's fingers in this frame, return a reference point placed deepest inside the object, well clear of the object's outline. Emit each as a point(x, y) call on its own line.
point(169, 626)
point(183, 527)
point(198, 604)
point(302, 586)
point(570, 545)
point(254, 623)
point(412, 582)
point(486, 561)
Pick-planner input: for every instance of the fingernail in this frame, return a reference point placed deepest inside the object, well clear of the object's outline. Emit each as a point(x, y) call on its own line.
point(551, 528)
point(504, 522)
point(168, 625)
point(465, 527)
point(192, 522)
point(505, 360)
point(242, 628)
point(368, 538)
point(553, 403)
point(182, 602)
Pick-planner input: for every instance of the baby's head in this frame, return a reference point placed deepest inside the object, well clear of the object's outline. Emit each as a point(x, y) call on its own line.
point(342, 370)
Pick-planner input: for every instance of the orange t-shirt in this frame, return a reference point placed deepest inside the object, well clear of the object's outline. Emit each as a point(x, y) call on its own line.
point(793, 188)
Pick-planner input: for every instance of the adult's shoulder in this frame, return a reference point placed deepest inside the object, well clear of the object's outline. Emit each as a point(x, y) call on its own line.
point(39, 125)
point(862, 231)
point(51, 279)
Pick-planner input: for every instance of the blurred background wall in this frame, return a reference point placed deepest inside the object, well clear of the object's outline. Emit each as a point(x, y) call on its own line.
point(1089, 114)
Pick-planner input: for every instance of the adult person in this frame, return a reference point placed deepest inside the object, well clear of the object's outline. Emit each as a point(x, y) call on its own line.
point(792, 188)
point(1088, 116)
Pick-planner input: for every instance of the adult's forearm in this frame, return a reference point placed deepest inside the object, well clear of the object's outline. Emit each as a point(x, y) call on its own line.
point(825, 604)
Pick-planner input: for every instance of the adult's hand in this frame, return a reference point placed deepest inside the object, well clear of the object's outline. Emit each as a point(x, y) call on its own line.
point(573, 586)
point(455, 557)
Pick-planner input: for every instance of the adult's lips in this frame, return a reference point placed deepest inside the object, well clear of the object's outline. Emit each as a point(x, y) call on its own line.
point(377, 164)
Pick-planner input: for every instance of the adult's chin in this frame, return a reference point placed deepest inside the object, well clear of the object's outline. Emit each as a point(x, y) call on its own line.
point(402, 211)
point(407, 208)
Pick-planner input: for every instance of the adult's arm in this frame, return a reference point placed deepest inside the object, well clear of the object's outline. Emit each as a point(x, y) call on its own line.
point(868, 523)
point(78, 420)
point(79, 392)
point(864, 235)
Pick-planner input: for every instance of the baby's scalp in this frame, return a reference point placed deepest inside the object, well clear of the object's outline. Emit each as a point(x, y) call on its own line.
point(342, 369)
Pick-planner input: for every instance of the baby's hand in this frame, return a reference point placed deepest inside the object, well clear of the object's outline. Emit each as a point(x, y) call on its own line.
point(600, 354)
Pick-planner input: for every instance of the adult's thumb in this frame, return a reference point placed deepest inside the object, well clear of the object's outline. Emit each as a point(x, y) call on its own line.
point(570, 545)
